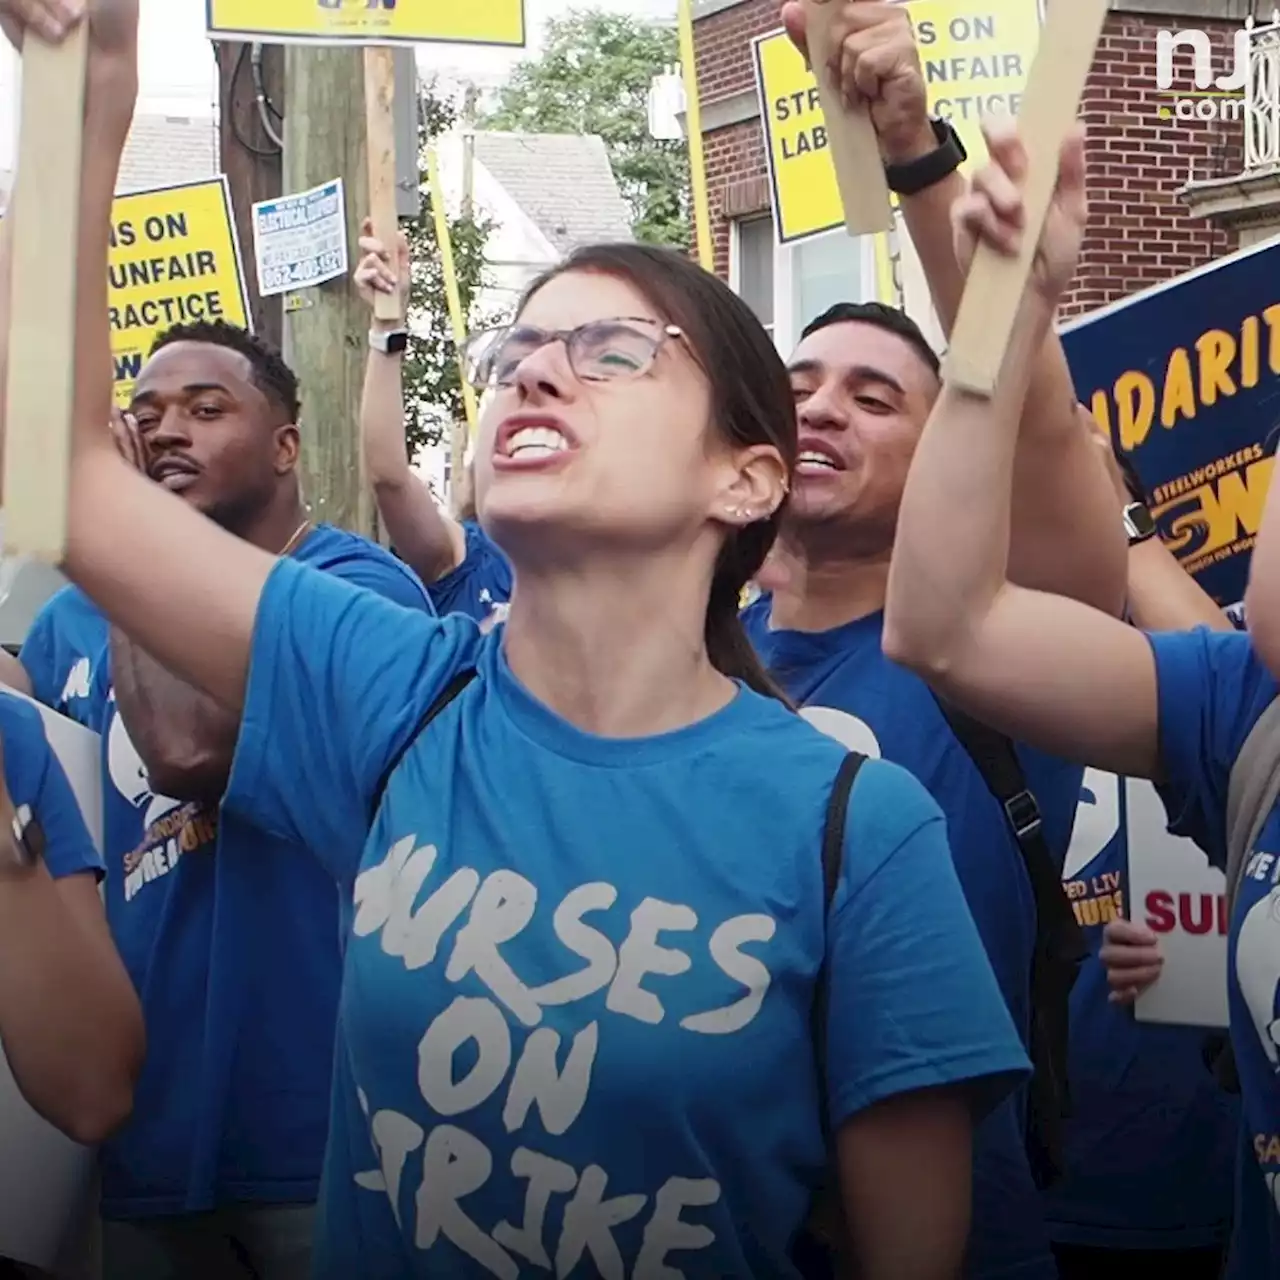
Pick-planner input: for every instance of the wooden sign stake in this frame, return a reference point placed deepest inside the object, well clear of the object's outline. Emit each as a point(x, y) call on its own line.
point(851, 137)
point(993, 292)
point(40, 396)
point(379, 103)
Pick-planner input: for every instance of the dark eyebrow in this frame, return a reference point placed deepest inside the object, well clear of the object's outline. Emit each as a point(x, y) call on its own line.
point(855, 373)
point(191, 389)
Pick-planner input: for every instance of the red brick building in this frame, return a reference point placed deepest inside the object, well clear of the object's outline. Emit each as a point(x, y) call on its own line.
point(1144, 226)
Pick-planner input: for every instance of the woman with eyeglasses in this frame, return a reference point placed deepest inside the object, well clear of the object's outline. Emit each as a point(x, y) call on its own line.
point(598, 1017)
point(462, 567)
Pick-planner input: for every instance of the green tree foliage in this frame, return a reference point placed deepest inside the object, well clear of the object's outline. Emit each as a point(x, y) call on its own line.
point(432, 386)
point(593, 76)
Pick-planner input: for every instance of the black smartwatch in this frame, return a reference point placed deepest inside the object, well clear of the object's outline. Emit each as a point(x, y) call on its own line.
point(1139, 523)
point(914, 176)
point(392, 342)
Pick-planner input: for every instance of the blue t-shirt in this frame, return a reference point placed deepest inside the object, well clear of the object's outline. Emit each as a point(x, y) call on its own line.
point(1212, 689)
point(232, 939)
point(480, 586)
point(63, 650)
point(576, 1010)
point(36, 779)
point(1151, 1144)
point(850, 690)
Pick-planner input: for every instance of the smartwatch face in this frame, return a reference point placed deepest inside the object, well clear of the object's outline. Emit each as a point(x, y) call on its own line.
point(397, 342)
point(1139, 521)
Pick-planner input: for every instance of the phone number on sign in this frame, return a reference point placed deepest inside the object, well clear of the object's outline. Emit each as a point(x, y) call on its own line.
point(292, 273)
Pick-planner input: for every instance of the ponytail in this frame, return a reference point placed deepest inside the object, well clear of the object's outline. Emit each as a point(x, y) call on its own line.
point(731, 652)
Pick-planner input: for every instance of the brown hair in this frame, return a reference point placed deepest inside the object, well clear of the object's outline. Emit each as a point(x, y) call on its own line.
point(751, 402)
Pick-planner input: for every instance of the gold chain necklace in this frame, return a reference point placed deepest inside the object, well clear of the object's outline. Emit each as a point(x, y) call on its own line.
point(293, 541)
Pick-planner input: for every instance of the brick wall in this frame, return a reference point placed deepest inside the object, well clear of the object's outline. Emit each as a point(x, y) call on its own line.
point(735, 156)
point(1139, 231)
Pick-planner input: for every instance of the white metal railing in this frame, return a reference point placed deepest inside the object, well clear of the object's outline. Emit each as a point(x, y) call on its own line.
point(1262, 98)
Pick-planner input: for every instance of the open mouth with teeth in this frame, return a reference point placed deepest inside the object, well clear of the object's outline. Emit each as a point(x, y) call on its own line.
point(536, 442)
point(811, 462)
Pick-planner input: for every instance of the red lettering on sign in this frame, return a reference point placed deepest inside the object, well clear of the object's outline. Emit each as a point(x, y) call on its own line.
point(1194, 913)
point(1160, 917)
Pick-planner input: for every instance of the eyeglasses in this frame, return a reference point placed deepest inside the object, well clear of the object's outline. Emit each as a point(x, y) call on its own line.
point(599, 351)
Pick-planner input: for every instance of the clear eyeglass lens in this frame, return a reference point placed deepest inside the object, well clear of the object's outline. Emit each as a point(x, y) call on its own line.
point(598, 352)
point(614, 349)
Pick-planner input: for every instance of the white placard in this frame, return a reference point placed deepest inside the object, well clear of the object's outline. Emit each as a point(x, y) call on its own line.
point(48, 1184)
point(1180, 897)
point(301, 240)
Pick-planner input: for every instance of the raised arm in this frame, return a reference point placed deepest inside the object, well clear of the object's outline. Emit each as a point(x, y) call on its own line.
point(185, 739)
point(1262, 599)
point(174, 581)
point(1042, 668)
point(1063, 537)
point(1163, 596)
point(430, 541)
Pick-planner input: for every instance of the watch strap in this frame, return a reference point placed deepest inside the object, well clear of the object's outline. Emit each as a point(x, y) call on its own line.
point(388, 342)
point(918, 175)
point(1138, 530)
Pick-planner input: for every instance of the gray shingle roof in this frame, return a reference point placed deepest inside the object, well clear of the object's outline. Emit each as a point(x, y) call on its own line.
point(562, 182)
point(163, 151)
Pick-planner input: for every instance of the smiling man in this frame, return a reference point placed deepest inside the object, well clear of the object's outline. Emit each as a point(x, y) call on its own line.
point(865, 380)
point(229, 934)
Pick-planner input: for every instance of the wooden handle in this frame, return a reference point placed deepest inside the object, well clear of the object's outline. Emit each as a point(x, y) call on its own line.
point(851, 137)
point(993, 291)
point(40, 396)
point(379, 107)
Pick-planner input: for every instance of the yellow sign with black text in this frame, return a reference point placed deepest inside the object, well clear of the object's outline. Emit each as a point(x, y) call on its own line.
point(175, 259)
point(975, 56)
point(497, 22)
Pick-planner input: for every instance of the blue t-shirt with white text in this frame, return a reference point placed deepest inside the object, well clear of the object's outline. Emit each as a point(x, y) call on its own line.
point(480, 586)
point(232, 939)
point(64, 647)
point(851, 691)
point(1151, 1143)
point(36, 781)
point(1212, 689)
point(575, 1032)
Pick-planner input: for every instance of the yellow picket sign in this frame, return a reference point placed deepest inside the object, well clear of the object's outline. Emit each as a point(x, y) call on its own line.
point(496, 22)
point(175, 259)
point(976, 55)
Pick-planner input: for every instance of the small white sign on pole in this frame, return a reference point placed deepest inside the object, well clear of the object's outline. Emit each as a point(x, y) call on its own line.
point(300, 241)
point(48, 1197)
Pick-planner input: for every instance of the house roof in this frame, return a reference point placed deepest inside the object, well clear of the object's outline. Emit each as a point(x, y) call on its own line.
point(562, 182)
point(163, 151)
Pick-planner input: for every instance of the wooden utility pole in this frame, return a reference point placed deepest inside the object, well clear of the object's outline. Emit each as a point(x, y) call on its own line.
point(326, 329)
point(251, 158)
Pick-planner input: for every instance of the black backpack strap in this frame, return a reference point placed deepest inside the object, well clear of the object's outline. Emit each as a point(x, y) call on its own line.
point(443, 699)
point(819, 1243)
point(832, 860)
point(1061, 947)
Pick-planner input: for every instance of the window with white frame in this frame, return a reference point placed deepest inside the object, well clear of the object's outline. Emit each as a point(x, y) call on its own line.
point(751, 266)
point(822, 271)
